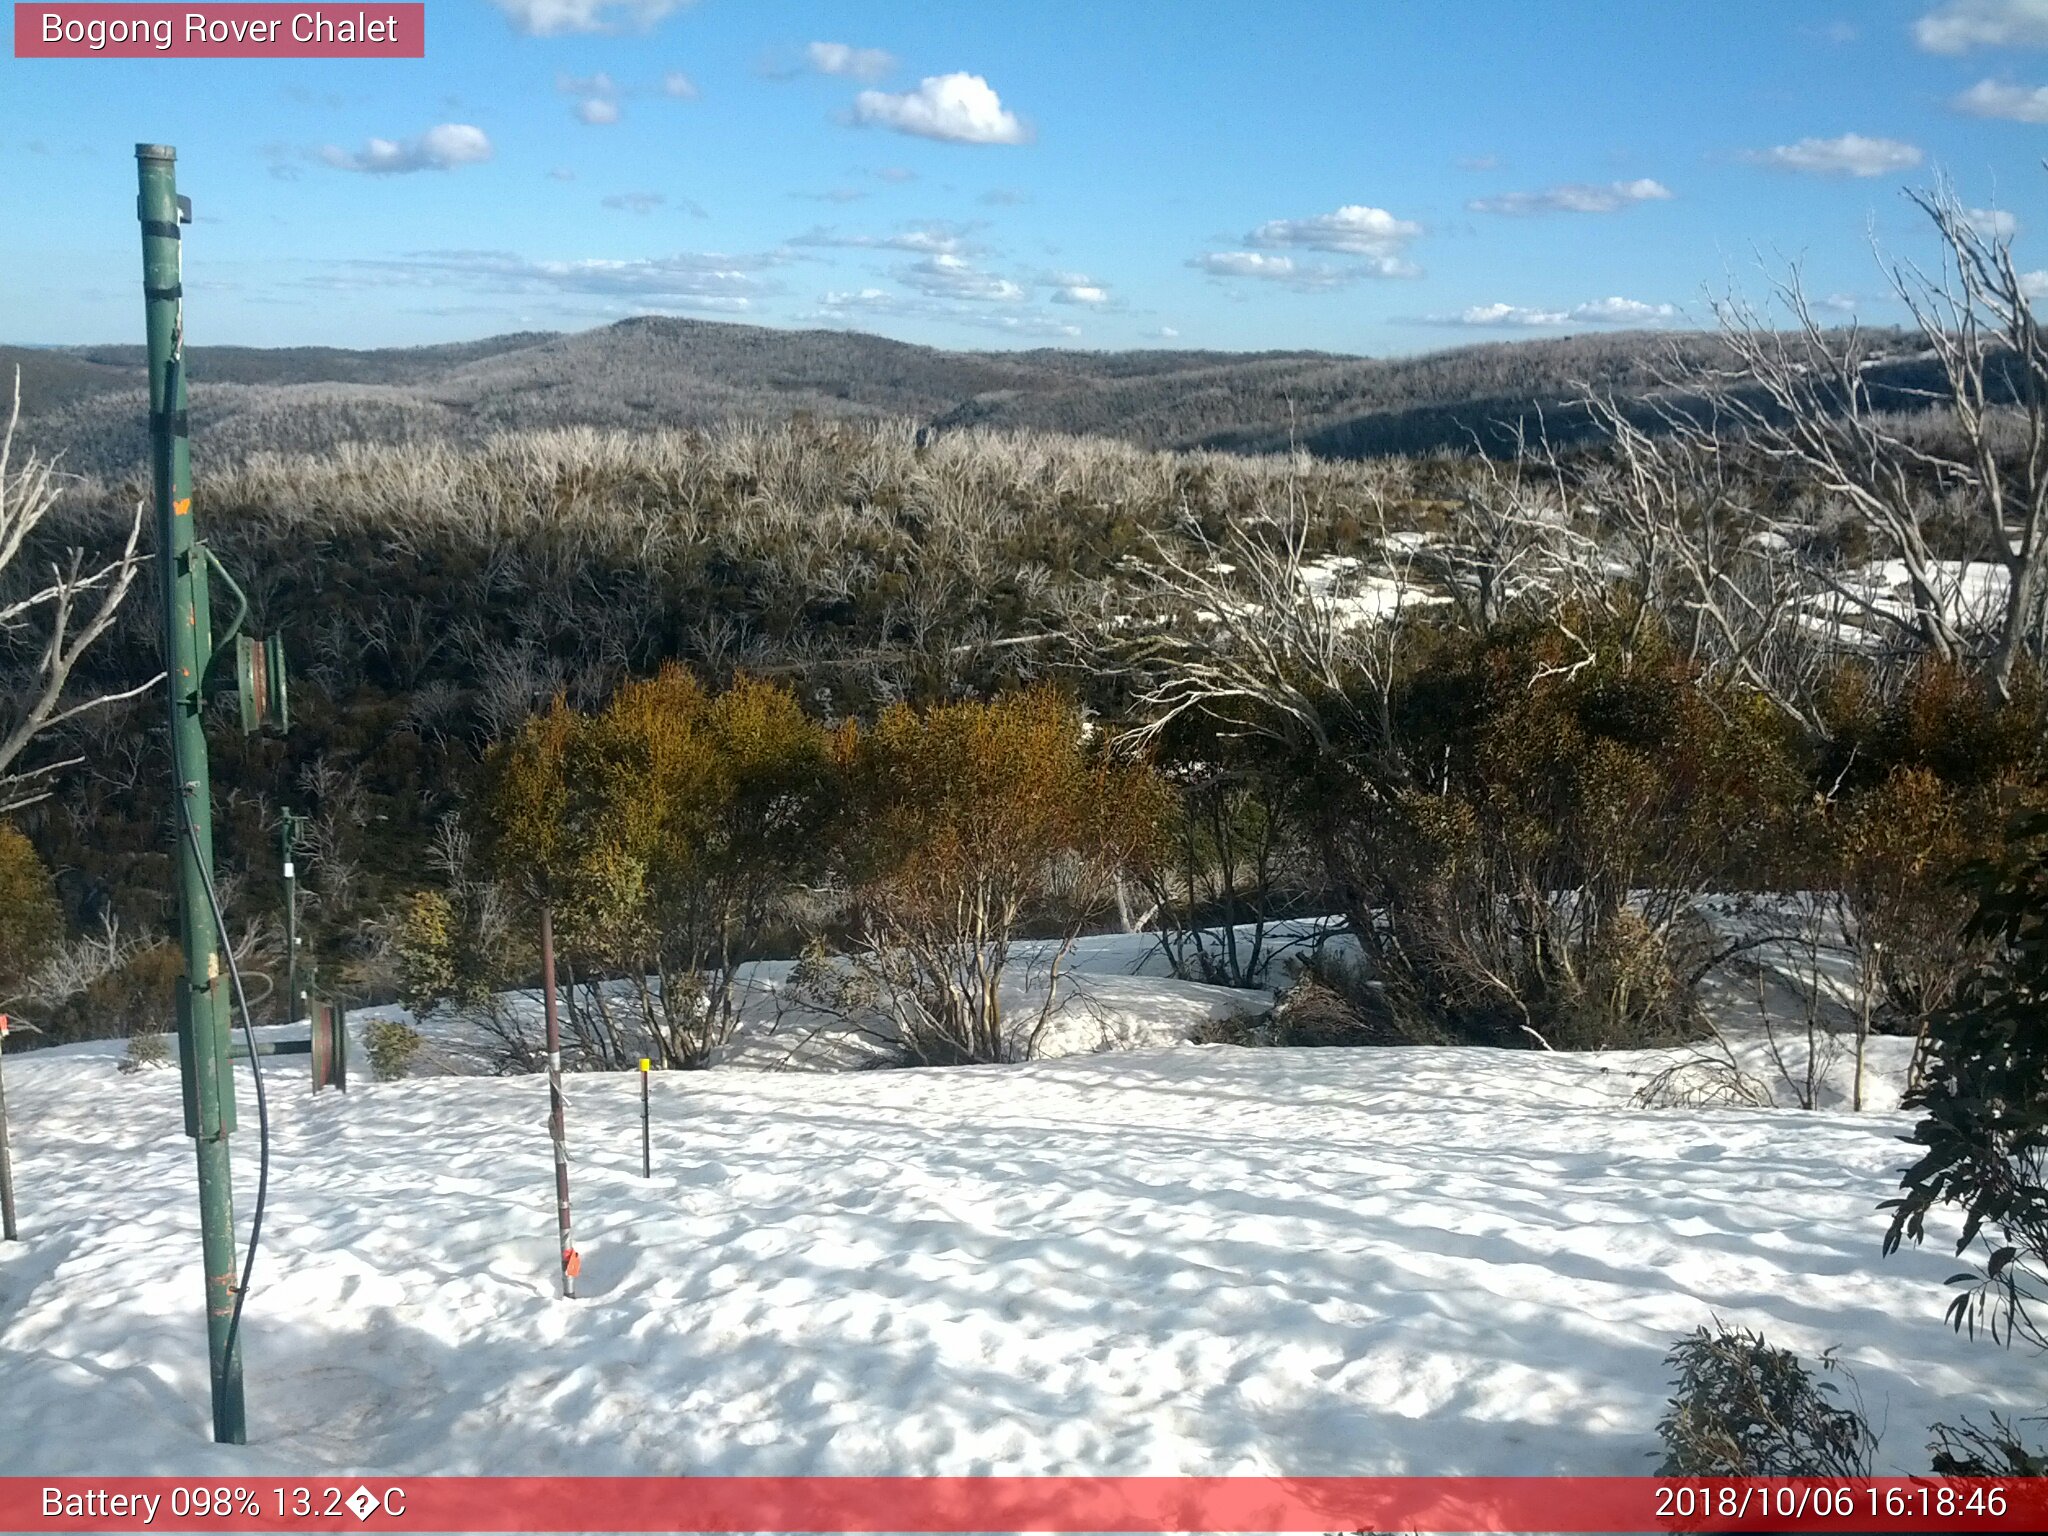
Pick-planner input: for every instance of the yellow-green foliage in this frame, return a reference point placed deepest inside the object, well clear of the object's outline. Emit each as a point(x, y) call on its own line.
point(684, 806)
point(425, 939)
point(966, 805)
point(958, 821)
point(30, 920)
point(528, 796)
point(391, 1047)
point(664, 830)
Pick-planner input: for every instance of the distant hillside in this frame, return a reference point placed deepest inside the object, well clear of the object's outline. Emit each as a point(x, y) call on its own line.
point(86, 402)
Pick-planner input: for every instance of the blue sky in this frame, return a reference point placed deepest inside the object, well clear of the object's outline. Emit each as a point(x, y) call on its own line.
point(1380, 176)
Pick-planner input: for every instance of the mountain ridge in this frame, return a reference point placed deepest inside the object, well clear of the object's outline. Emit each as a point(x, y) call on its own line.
point(649, 372)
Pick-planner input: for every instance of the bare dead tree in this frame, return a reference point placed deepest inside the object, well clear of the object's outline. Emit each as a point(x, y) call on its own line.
point(54, 624)
point(1685, 523)
point(1233, 628)
point(1511, 535)
point(1799, 400)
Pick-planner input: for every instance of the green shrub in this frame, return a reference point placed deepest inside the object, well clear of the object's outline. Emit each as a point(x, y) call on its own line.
point(424, 939)
point(1984, 1100)
point(30, 922)
point(1745, 1408)
point(391, 1046)
point(145, 1050)
point(1971, 1450)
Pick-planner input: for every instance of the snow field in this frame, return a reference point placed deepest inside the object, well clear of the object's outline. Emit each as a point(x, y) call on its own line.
point(1189, 1260)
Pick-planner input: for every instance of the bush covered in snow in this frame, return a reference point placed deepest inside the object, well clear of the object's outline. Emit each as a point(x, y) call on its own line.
point(145, 1051)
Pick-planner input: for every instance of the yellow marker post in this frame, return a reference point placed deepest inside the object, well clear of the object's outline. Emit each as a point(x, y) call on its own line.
point(646, 1138)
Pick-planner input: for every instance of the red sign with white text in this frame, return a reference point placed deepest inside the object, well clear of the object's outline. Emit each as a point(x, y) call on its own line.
point(99, 31)
point(1051, 1504)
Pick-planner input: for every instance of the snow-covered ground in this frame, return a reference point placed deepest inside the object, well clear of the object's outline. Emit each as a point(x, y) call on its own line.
point(1180, 1260)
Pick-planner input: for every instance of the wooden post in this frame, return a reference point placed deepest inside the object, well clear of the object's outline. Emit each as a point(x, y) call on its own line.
point(646, 1136)
point(8, 1231)
point(557, 1129)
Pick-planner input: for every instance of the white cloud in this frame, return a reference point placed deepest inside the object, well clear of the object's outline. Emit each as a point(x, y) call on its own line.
point(1035, 325)
point(1478, 162)
point(2034, 284)
point(929, 239)
point(894, 173)
point(551, 18)
point(1277, 269)
point(1850, 155)
point(561, 173)
point(635, 202)
point(1078, 288)
point(1354, 230)
point(698, 280)
point(1619, 311)
point(1992, 223)
point(1167, 333)
point(1961, 25)
point(1509, 314)
point(959, 108)
point(1244, 264)
point(597, 96)
point(856, 63)
point(1608, 311)
point(1994, 98)
point(947, 275)
point(1575, 197)
point(679, 86)
point(438, 149)
point(844, 307)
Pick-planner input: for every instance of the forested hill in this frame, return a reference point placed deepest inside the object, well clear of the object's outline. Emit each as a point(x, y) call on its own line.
point(85, 402)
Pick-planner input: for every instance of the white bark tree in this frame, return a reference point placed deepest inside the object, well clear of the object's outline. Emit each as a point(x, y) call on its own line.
point(48, 624)
point(1796, 403)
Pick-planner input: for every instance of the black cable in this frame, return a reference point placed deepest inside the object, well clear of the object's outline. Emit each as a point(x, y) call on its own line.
point(173, 371)
point(220, 928)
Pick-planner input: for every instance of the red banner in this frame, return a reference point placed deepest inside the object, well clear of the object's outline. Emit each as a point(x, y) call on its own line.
point(101, 31)
point(1062, 1504)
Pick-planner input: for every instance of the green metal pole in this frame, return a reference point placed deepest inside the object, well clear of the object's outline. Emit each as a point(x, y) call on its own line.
point(203, 1057)
point(287, 834)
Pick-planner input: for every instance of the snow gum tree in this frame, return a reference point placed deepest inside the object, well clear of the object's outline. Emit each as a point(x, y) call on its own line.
point(958, 822)
point(667, 830)
point(52, 611)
